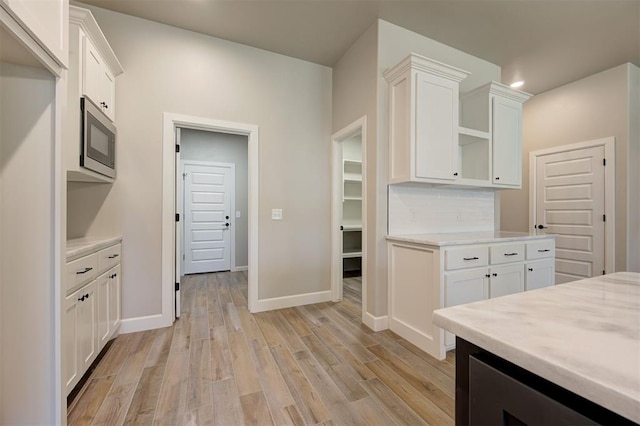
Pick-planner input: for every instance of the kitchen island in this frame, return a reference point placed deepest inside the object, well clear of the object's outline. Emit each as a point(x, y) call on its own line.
point(568, 354)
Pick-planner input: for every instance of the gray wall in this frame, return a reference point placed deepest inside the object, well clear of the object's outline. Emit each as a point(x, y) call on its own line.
point(592, 108)
point(201, 145)
point(167, 69)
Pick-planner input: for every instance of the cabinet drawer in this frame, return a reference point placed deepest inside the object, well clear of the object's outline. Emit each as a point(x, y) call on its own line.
point(81, 271)
point(465, 257)
point(506, 253)
point(109, 257)
point(541, 249)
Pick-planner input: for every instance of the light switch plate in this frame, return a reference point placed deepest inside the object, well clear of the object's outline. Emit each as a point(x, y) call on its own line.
point(237, 213)
point(276, 214)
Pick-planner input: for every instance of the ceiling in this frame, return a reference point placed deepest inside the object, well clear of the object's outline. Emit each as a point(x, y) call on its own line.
point(547, 43)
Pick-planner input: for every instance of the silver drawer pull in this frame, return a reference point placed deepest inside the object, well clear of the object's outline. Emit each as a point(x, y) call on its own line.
point(113, 256)
point(470, 258)
point(84, 272)
point(511, 254)
point(543, 251)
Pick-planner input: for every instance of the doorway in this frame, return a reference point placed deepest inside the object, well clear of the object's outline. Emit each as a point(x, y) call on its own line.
point(171, 207)
point(348, 218)
point(572, 193)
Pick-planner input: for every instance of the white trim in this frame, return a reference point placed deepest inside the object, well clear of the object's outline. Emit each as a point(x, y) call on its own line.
point(169, 122)
point(291, 301)
point(239, 268)
point(232, 207)
point(358, 126)
point(149, 322)
point(609, 190)
point(30, 43)
point(376, 323)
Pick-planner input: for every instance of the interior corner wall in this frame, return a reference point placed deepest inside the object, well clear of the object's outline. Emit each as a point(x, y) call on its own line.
point(633, 160)
point(167, 69)
point(591, 108)
point(203, 145)
point(354, 96)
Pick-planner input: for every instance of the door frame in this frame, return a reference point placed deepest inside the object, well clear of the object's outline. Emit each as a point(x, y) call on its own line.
point(232, 214)
point(358, 126)
point(609, 190)
point(170, 121)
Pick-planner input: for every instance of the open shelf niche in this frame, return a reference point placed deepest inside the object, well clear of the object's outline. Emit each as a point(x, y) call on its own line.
point(352, 206)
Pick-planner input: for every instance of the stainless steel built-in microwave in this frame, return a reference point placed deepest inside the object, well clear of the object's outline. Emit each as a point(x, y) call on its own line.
point(98, 150)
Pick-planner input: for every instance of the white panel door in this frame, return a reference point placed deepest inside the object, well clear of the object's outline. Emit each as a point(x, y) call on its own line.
point(207, 213)
point(570, 202)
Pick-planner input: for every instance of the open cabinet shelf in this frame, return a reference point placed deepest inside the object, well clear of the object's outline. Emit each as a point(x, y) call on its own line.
point(352, 206)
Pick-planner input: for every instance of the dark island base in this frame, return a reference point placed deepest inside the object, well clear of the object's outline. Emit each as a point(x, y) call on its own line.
point(493, 391)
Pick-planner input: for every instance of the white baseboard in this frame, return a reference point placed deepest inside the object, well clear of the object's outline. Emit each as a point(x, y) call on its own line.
point(291, 301)
point(149, 322)
point(376, 323)
point(239, 268)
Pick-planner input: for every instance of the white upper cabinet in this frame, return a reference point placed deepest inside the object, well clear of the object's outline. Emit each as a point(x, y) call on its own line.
point(495, 111)
point(97, 65)
point(41, 26)
point(423, 121)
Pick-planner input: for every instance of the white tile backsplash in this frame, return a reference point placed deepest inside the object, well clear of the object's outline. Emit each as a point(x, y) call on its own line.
point(419, 209)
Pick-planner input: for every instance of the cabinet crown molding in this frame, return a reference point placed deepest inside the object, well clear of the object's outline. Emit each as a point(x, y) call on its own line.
point(502, 90)
point(421, 63)
point(85, 20)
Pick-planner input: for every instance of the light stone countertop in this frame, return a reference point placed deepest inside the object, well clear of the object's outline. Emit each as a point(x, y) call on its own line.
point(583, 335)
point(83, 246)
point(459, 238)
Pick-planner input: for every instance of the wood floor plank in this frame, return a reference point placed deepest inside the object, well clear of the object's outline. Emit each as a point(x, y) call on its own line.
point(444, 366)
point(402, 414)
point(200, 378)
point(173, 392)
point(250, 326)
point(358, 368)
point(220, 356)
point(243, 368)
point(231, 318)
point(298, 325)
point(311, 407)
point(255, 409)
point(269, 331)
point(199, 416)
point(320, 351)
point(341, 411)
point(372, 413)
point(348, 385)
point(143, 406)
point(113, 410)
point(160, 350)
point(114, 358)
point(291, 338)
point(87, 405)
point(274, 387)
point(227, 409)
point(423, 407)
point(416, 379)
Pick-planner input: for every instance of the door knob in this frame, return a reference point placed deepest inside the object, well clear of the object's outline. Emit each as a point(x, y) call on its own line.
point(226, 224)
point(542, 227)
point(226, 217)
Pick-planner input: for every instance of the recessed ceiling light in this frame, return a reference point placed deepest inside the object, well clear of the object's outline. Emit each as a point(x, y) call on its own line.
point(517, 84)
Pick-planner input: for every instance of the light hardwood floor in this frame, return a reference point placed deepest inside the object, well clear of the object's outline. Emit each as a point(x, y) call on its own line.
point(221, 365)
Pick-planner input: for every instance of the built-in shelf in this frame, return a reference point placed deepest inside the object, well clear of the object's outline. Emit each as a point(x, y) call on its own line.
point(465, 131)
point(352, 177)
point(352, 206)
point(351, 254)
point(352, 199)
point(352, 227)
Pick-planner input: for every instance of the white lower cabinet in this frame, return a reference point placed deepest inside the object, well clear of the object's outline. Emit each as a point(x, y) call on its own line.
point(426, 277)
point(91, 315)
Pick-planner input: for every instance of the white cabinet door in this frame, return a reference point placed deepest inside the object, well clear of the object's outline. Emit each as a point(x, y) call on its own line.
point(506, 280)
point(102, 285)
point(464, 287)
point(70, 364)
point(507, 142)
point(46, 21)
point(91, 72)
point(108, 91)
point(436, 115)
point(115, 289)
point(87, 330)
point(539, 274)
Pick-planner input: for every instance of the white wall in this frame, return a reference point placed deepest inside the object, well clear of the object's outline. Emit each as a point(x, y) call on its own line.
point(27, 290)
point(167, 69)
point(592, 108)
point(224, 148)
